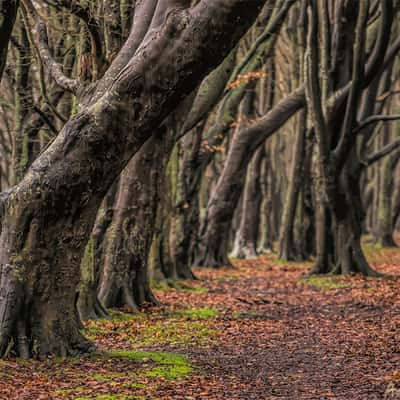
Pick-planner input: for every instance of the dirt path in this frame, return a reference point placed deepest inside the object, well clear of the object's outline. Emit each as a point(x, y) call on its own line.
point(256, 332)
point(285, 339)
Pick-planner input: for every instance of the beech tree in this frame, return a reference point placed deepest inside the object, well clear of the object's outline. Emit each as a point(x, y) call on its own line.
point(48, 216)
point(139, 139)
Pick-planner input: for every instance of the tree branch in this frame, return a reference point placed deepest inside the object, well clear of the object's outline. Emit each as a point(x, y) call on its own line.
point(54, 68)
point(346, 136)
point(8, 13)
point(374, 118)
point(93, 27)
point(382, 152)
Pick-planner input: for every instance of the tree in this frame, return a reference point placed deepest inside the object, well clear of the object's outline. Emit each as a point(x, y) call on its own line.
point(340, 148)
point(47, 218)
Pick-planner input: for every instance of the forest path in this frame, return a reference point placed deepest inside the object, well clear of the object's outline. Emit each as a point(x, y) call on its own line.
point(286, 337)
point(259, 331)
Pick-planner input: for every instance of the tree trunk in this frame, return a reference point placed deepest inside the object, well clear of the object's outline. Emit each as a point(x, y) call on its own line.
point(124, 280)
point(213, 246)
point(346, 215)
point(88, 305)
point(185, 206)
point(247, 236)
point(47, 219)
point(385, 219)
point(287, 248)
point(265, 233)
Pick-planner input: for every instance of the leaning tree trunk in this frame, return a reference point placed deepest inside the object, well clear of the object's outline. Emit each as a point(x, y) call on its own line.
point(212, 250)
point(47, 219)
point(247, 236)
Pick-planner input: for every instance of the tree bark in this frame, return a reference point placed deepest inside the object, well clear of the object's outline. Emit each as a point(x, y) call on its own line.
point(385, 210)
point(213, 247)
point(48, 217)
point(124, 280)
point(247, 236)
point(8, 14)
point(287, 248)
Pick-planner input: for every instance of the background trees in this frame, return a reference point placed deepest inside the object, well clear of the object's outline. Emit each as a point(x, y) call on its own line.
point(141, 138)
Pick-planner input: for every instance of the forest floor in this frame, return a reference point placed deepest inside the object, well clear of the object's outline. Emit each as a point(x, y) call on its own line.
point(259, 331)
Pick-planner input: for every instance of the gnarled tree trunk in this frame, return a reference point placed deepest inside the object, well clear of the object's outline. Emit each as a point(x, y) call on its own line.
point(48, 217)
point(124, 279)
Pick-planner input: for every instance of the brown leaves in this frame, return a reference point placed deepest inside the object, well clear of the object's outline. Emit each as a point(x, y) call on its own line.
point(245, 78)
point(273, 337)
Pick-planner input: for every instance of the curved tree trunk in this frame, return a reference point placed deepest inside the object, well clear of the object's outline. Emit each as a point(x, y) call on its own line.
point(47, 219)
point(213, 245)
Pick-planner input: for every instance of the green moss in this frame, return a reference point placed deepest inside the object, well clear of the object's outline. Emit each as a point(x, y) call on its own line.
point(175, 333)
point(170, 365)
point(118, 316)
point(325, 282)
point(93, 330)
point(170, 372)
point(227, 278)
point(106, 377)
point(66, 391)
point(199, 313)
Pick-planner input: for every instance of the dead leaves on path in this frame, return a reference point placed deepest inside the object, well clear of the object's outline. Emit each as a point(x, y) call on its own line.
point(258, 331)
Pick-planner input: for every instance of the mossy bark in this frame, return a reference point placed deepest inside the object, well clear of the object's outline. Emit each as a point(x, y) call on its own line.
point(47, 219)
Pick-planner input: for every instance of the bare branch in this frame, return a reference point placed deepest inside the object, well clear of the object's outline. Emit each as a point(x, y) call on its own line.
point(374, 118)
point(389, 148)
point(384, 96)
point(54, 68)
point(93, 27)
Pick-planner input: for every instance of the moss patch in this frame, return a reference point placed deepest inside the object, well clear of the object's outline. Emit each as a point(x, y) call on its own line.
point(93, 331)
point(325, 282)
point(169, 366)
point(173, 332)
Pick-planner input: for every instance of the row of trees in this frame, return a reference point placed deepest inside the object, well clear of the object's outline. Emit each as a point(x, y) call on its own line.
point(139, 139)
